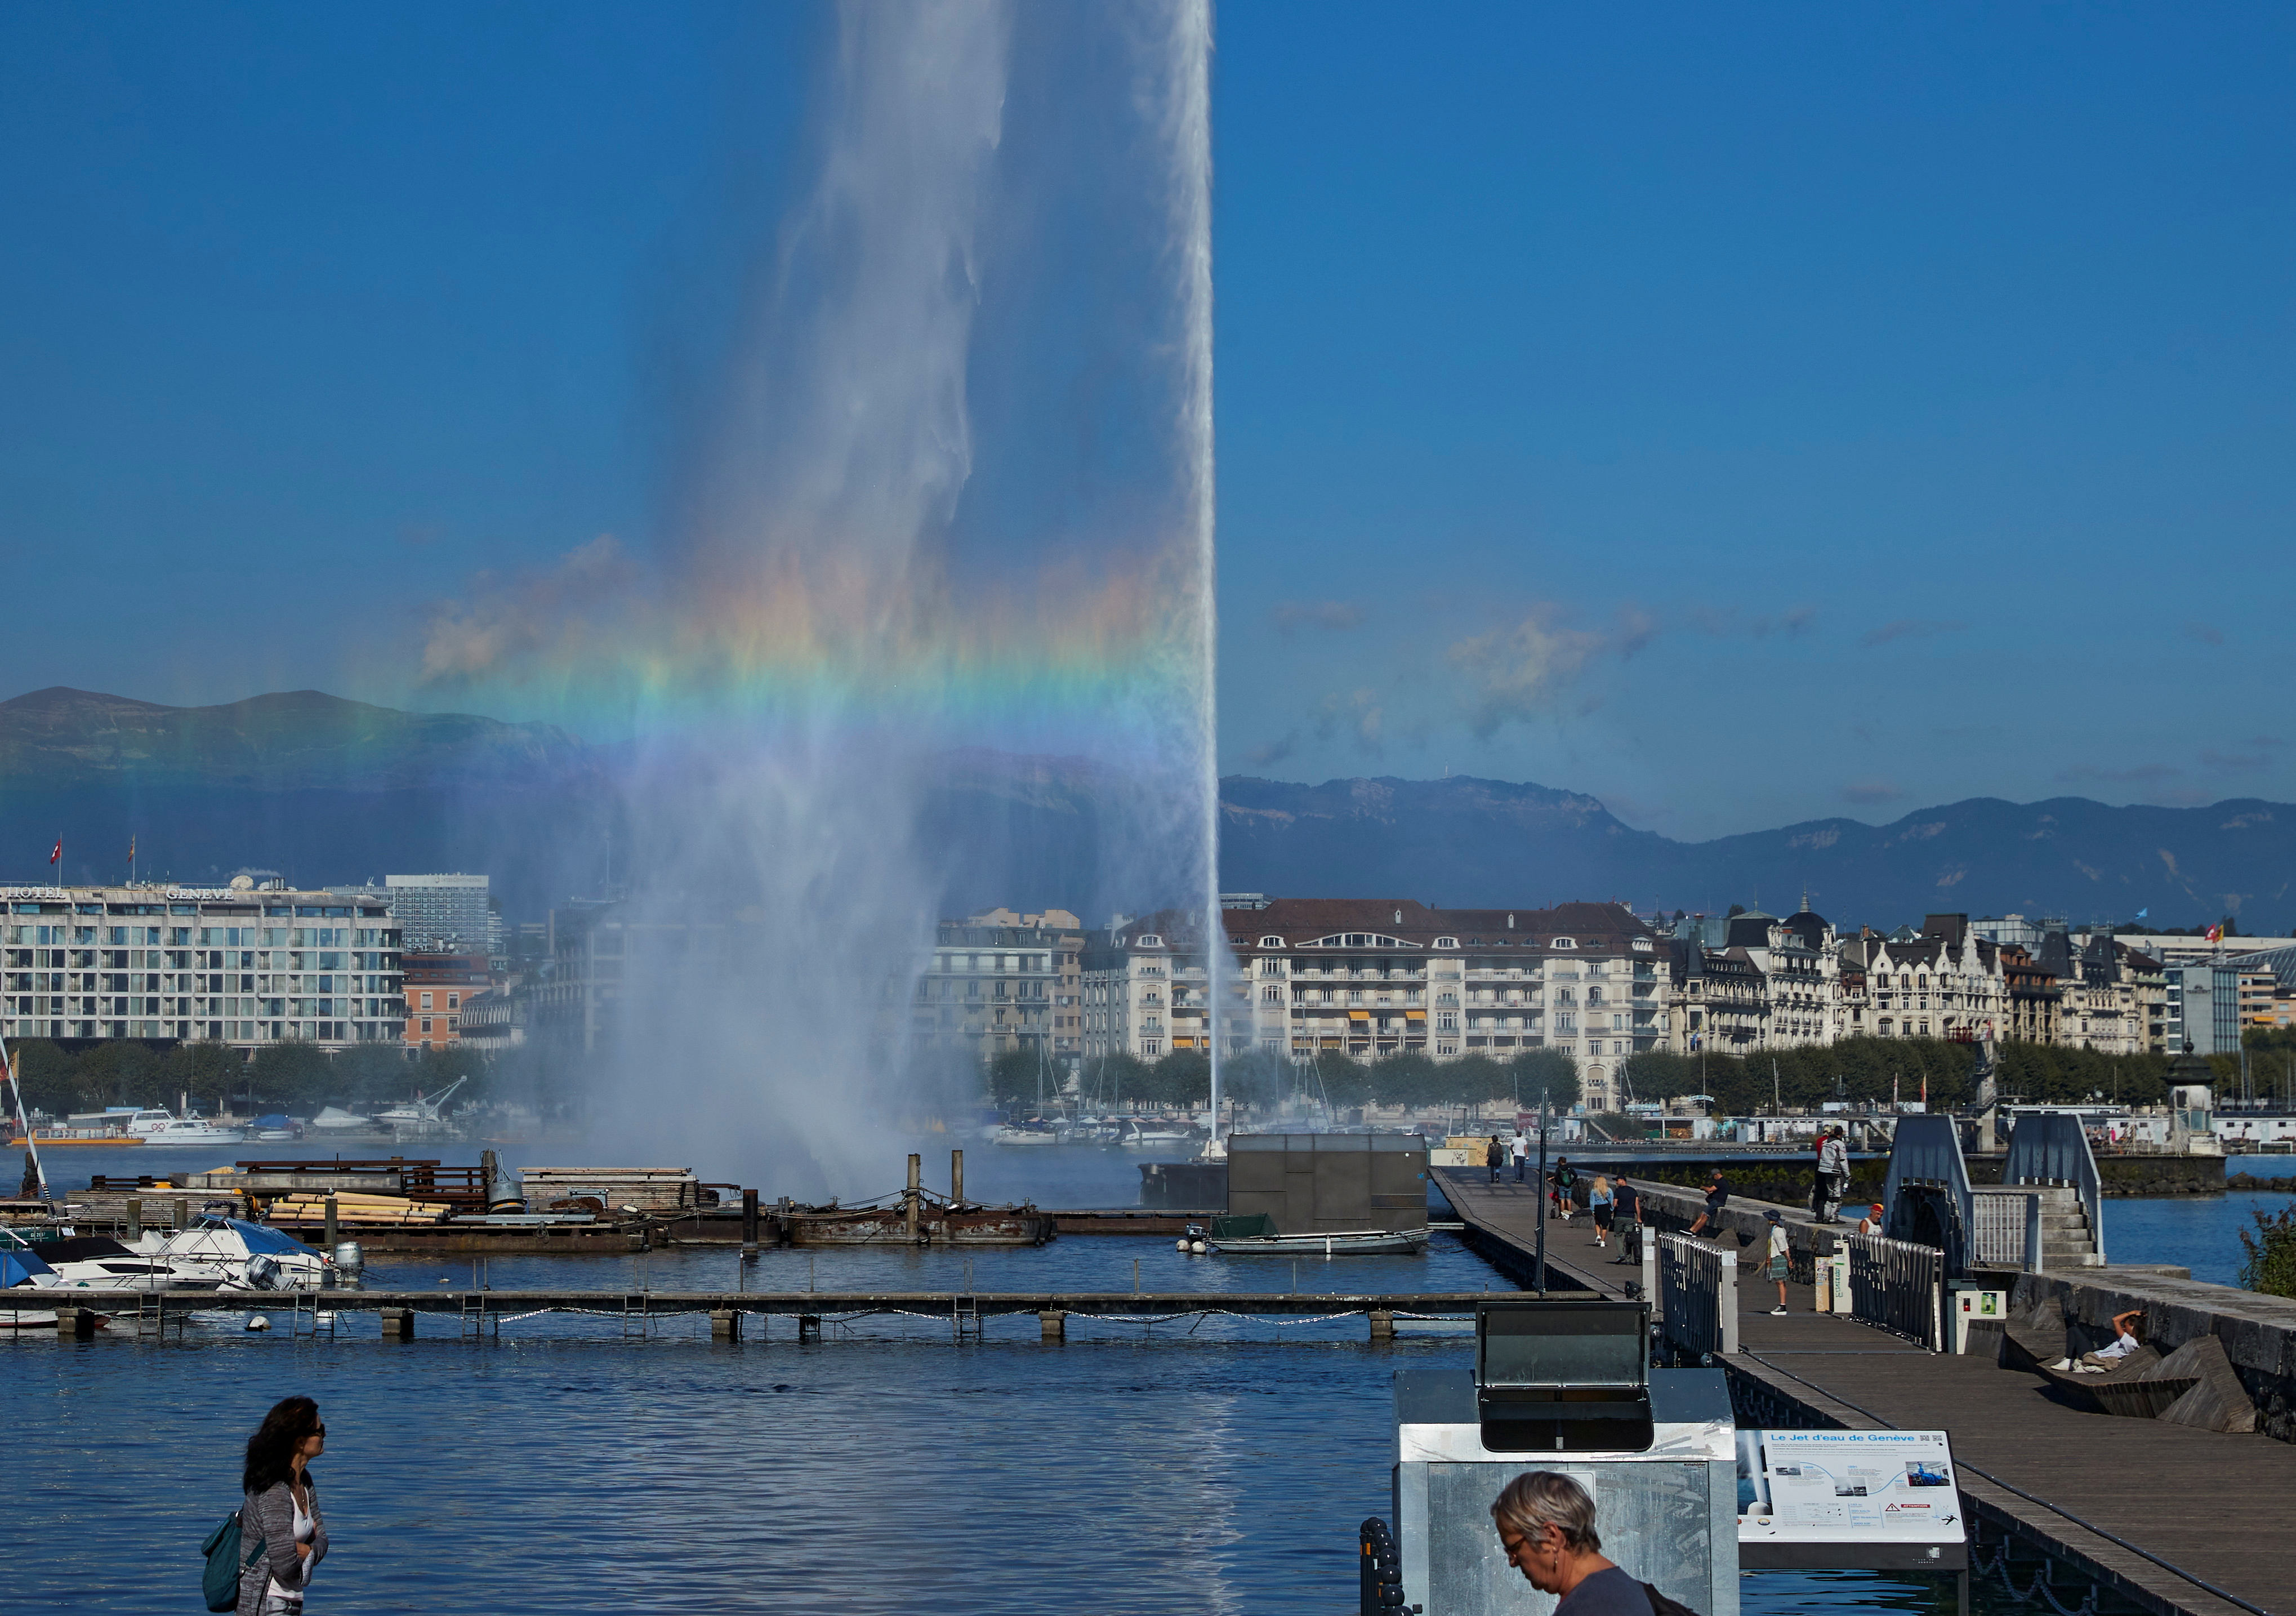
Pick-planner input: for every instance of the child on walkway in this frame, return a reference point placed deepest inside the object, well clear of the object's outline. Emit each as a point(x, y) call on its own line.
point(1778, 1262)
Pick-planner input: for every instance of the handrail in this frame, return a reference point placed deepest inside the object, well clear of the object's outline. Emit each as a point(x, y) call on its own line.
point(1899, 1286)
point(1697, 1298)
point(2052, 1148)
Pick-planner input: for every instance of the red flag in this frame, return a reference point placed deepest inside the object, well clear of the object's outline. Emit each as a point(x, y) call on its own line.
point(57, 857)
point(2216, 932)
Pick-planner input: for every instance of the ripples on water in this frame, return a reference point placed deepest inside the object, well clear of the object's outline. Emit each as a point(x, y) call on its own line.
point(886, 1469)
point(1209, 1464)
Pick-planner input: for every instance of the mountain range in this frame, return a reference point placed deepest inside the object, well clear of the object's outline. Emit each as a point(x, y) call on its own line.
point(326, 791)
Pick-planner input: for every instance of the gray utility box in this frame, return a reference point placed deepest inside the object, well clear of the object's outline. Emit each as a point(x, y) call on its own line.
point(1329, 1184)
point(1665, 1496)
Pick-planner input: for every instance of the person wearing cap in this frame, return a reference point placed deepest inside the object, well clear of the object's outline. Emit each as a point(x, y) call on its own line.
point(1778, 1258)
point(1871, 1224)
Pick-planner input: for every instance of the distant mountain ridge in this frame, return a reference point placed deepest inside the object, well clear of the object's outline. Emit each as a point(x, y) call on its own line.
point(330, 791)
point(1461, 841)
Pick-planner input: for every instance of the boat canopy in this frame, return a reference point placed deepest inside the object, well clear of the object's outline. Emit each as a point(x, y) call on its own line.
point(275, 1120)
point(259, 1240)
point(21, 1267)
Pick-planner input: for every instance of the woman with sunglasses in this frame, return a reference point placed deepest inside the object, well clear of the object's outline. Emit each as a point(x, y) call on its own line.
point(282, 1511)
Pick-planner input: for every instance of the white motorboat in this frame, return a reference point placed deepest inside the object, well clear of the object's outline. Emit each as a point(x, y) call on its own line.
point(242, 1256)
point(193, 1130)
point(1023, 1134)
point(1154, 1137)
point(96, 1262)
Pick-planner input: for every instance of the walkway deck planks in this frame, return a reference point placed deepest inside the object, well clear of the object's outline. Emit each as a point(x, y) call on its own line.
point(2220, 1506)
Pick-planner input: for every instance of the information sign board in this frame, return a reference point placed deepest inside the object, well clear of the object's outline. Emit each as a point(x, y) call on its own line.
point(1879, 1500)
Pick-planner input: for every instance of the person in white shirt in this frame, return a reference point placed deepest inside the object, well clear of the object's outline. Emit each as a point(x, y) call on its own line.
point(2124, 1341)
point(1521, 1155)
point(1779, 1259)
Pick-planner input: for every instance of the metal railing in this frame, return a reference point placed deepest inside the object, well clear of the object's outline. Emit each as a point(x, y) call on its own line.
point(2050, 1148)
point(2007, 1228)
point(1693, 1292)
point(1899, 1286)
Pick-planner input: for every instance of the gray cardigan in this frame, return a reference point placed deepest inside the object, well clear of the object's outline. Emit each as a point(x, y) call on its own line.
point(270, 1515)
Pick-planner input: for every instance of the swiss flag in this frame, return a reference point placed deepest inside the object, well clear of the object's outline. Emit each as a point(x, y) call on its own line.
point(57, 857)
point(2216, 932)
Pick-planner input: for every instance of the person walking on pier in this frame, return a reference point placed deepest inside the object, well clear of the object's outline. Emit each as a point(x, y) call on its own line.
point(282, 1509)
point(1779, 1258)
point(1602, 1203)
point(1546, 1530)
point(1521, 1155)
point(1495, 1157)
point(1832, 1179)
point(1565, 1178)
point(1629, 1206)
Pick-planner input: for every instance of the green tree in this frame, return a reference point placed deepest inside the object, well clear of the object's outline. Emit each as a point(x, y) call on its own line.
point(209, 1073)
point(1409, 1078)
point(1182, 1078)
point(2267, 1261)
point(1343, 1080)
point(292, 1075)
point(1477, 1080)
point(1117, 1080)
point(1259, 1077)
point(1545, 1069)
point(1011, 1077)
point(50, 1079)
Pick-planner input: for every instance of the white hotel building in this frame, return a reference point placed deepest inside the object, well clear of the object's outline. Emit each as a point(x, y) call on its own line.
point(1369, 978)
point(237, 965)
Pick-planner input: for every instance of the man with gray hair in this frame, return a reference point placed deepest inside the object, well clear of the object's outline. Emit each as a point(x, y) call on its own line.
point(1547, 1528)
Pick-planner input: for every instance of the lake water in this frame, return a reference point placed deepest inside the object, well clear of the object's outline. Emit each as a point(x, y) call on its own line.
point(1209, 1464)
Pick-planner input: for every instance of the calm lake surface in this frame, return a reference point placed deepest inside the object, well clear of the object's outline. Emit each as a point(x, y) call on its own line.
point(1208, 1464)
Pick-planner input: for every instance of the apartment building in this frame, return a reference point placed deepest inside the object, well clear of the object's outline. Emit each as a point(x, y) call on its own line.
point(1369, 978)
point(440, 990)
point(241, 964)
point(1002, 980)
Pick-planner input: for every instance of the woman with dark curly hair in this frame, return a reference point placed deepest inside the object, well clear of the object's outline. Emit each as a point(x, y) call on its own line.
point(282, 1509)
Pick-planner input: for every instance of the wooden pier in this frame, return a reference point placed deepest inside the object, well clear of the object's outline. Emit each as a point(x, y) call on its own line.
point(2162, 1515)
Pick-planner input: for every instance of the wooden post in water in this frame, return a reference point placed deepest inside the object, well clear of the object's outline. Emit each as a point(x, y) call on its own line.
point(332, 1231)
point(183, 1213)
point(915, 1192)
point(724, 1325)
point(397, 1324)
point(749, 1223)
point(1053, 1324)
point(78, 1323)
point(956, 1178)
point(135, 1218)
point(1382, 1324)
point(808, 1326)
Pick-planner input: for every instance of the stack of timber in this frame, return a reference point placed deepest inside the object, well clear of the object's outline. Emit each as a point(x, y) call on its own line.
point(354, 1210)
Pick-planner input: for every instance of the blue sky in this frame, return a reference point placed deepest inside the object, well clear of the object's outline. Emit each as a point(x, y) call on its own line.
point(1740, 417)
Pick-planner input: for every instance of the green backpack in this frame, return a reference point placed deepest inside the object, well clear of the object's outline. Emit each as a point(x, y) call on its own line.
point(220, 1582)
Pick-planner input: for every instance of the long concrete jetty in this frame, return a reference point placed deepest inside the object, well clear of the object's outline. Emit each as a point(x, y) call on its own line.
point(2179, 1521)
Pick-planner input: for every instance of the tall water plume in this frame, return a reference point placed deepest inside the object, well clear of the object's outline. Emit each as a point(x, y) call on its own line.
point(956, 492)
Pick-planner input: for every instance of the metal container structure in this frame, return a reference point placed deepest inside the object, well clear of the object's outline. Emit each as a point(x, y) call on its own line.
point(1565, 1386)
point(1317, 1183)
